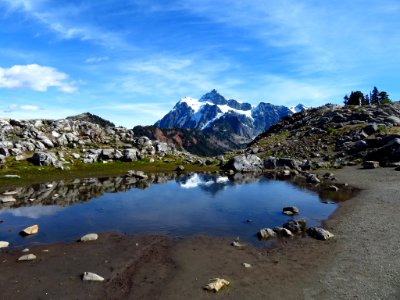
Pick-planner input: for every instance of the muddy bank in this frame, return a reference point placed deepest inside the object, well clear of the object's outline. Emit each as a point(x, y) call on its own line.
point(362, 262)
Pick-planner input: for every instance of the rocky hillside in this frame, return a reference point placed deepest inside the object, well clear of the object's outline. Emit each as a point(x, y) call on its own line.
point(229, 120)
point(66, 141)
point(88, 117)
point(335, 136)
point(192, 140)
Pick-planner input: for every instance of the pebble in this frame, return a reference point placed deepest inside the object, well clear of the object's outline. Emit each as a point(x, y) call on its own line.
point(89, 276)
point(246, 265)
point(31, 230)
point(216, 284)
point(10, 193)
point(89, 237)
point(25, 250)
point(27, 257)
point(49, 185)
point(4, 244)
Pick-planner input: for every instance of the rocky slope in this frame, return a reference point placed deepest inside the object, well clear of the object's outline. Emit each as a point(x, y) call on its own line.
point(192, 140)
point(65, 141)
point(335, 136)
point(88, 117)
point(228, 120)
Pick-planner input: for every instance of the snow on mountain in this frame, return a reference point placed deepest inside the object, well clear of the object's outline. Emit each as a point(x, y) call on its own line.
point(214, 112)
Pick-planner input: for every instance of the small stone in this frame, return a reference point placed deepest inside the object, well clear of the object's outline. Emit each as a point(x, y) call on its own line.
point(25, 250)
point(180, 168)
point(266, 233)
point(333, 188)
point(237, 244)
point(31, 199)
point(4, 244)
point(283, 231)
point(216, 284)
point(49, 185)
point(88, 276)
point(312, 178)
point(89, 237)
point(30, 230)
point(27, 257)
point(246, 265)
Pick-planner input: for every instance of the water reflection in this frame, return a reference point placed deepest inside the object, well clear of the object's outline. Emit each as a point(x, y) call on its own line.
point(164, 203)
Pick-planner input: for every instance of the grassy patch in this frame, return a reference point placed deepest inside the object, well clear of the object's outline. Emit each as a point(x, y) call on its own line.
point(30, 173)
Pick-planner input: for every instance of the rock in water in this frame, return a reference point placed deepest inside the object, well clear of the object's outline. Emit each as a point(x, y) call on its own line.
point(266, 233)
point(4, 244)
point(30, 230)
point(295, 226)
point(319, 233)
point(27, 257)
point(290, 210)
point(88, 276)
point(89, 237)
point(180, 168)
point(216, 284)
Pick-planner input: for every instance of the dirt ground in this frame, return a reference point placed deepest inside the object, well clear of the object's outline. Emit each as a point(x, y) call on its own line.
point(361, 262)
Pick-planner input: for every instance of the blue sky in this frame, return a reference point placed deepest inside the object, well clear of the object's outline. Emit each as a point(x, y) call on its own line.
point(130, 61)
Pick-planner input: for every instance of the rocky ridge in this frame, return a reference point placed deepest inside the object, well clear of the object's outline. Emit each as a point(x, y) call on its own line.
point(60, 142)
point(332, 136)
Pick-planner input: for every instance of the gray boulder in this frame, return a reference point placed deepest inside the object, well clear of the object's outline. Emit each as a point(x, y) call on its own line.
point(393, 120)
point(245, 163)
point(44, 159)
point(312, 178)
point(129, 154)
point(319, 233)
point(295, 226)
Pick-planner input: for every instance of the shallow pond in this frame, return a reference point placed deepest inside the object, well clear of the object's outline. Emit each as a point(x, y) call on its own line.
point(180, 206)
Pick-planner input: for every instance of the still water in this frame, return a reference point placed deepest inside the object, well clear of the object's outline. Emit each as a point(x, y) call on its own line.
point(180, 206)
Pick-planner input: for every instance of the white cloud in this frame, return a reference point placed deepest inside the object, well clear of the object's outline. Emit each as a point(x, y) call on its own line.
point(35, 77)
point(27, 107)
point(96, 59)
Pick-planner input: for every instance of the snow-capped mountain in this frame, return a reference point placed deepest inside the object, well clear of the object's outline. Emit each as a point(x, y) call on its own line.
point(214, 113)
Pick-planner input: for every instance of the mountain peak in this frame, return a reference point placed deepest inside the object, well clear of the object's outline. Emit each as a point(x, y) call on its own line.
point(214, 97)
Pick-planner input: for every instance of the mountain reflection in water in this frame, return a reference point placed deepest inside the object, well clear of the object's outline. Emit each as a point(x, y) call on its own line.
point(178, 205)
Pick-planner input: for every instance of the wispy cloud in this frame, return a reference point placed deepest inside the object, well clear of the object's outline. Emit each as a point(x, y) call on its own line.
point(27, 107)
point(67, 21)
point(96, 59)
point(35, 77)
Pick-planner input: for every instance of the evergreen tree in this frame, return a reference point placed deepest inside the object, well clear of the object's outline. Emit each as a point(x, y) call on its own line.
point(384, 98)
point(356, 98)
point(375, 96)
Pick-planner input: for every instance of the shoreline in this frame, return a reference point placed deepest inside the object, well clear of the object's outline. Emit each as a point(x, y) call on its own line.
point(164, 268)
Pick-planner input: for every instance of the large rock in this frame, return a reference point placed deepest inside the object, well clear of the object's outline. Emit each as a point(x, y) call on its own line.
point(295, 226)
point(44, 159)
point(319, 233)
point(129, 154)
point(34, 229)
point(245, 163)
point(4, 244)
point(393, 120)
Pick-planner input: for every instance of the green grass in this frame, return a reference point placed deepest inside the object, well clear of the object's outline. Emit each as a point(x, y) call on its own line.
point(30, 173)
